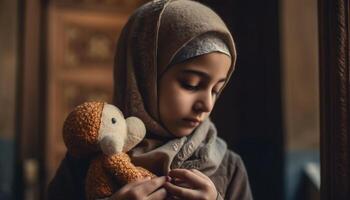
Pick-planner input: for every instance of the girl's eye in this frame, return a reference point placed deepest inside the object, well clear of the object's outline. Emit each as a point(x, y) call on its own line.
point(189, 86)
point(114, 120)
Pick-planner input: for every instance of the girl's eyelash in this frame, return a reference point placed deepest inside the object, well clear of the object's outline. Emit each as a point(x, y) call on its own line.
point(195, 87)
point(189, 87)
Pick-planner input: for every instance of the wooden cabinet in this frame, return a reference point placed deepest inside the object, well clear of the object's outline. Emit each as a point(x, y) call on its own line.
point(81, 43)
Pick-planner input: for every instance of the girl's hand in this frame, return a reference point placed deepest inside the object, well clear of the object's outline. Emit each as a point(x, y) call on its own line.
point(190, 184)
point(150, 189)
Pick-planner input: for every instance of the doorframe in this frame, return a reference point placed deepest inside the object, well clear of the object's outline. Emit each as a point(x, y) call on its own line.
point(334, 52)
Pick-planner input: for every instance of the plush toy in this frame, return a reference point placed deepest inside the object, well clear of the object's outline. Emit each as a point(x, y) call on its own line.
point(100, 131)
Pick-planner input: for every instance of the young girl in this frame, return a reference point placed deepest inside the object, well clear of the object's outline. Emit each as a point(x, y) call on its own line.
point(174, 58)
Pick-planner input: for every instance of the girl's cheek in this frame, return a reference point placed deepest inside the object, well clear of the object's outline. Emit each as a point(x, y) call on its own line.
point(184, 100)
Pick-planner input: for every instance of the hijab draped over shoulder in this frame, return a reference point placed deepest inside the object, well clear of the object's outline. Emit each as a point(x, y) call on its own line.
point(147, 45)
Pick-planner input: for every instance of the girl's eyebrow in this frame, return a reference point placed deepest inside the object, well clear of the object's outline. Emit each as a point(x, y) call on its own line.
point(201, 74)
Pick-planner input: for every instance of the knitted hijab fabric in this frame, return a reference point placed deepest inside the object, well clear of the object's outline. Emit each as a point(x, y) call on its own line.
point(203, 44)
point(150, 40)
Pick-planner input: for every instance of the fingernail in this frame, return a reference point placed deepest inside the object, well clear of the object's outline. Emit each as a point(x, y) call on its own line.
point(168, 178)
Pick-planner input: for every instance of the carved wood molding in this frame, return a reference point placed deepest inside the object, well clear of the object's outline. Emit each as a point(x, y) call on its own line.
point(334, 98)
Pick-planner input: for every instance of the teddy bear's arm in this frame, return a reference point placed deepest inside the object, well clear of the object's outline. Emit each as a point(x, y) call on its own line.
point(145, 172)
point(120, 166)
point(98, 182)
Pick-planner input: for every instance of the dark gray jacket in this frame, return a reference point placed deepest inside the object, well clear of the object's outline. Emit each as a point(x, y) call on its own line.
point(231, 179)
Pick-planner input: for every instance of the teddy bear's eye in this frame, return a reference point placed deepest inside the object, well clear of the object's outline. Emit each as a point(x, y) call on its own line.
point(114, 120)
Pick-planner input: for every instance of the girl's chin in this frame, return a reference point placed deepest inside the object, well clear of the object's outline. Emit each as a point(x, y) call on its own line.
point(182, 133)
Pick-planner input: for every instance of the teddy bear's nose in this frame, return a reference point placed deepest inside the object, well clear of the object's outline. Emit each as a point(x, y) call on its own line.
point(109, 145)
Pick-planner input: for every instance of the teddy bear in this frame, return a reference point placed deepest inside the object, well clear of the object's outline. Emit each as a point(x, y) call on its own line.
point(99, 130)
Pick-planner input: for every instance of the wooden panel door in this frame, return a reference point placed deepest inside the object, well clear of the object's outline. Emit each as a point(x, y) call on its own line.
point(81, 47)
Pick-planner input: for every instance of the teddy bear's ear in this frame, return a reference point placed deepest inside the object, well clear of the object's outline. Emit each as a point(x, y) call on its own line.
point(136, 132)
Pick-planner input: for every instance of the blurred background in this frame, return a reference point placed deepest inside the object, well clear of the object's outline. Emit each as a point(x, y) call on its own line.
point(55, 54)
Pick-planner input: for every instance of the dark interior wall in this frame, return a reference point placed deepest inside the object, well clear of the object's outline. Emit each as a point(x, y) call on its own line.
point(249, 114)
point(8, 70)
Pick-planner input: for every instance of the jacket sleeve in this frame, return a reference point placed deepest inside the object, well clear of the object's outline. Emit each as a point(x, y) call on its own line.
point(68, 182)
point(238, 187)
point(231, 179)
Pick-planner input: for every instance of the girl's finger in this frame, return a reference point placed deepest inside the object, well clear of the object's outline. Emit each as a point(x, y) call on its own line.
point(181, 183)
point(200, 174)
point(180, 192)
point(147, 187)
point(128, 186)
point(159, 194)
point(172, 198)
point(189, 177)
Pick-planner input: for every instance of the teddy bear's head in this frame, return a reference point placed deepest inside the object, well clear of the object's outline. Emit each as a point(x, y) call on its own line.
point(95, 126)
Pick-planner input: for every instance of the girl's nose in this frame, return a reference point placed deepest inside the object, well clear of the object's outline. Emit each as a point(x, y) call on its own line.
point(204, 104)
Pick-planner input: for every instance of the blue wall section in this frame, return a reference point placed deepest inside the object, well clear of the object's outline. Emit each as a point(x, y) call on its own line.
point(294, 166)
point(6, 168)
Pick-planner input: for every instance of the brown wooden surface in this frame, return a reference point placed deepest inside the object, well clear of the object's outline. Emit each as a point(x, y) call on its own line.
point(335, 99)
point(81, 44)
point(28, 96)
point(50, 85)
point(81, 40)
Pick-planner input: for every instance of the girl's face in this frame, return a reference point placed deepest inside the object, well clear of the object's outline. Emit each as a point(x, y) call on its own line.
point(187, 91)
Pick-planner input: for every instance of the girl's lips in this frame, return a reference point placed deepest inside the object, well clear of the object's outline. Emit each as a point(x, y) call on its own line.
point(191, 122)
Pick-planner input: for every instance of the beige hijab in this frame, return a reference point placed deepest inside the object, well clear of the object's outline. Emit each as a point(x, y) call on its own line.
point(151, 38)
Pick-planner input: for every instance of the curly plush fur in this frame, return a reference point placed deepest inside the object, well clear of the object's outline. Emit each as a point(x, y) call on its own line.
point(82, 136)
